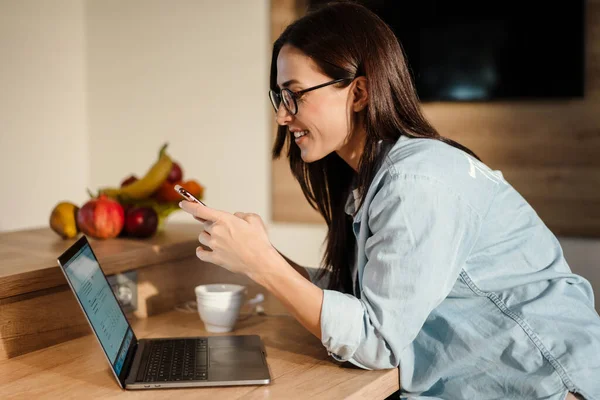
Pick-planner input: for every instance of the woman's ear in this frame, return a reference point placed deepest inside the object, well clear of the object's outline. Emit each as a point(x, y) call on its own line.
point(360, 92)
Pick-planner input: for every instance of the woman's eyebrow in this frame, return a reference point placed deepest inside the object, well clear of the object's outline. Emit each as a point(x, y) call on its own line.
point(288, 83)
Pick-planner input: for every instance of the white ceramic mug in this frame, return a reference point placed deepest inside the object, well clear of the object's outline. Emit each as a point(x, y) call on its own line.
point(219, 305)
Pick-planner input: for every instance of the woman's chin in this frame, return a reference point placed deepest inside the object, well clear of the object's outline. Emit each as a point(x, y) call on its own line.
point(311, 156)
point(308, 157)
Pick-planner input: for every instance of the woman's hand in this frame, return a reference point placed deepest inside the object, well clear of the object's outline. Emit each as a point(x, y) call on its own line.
point(239, 242)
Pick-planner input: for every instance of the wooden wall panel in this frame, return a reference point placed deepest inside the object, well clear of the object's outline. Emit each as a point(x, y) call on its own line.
point(548, 150)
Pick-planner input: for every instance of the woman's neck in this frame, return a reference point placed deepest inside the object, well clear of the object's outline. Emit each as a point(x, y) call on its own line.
point(353, 150)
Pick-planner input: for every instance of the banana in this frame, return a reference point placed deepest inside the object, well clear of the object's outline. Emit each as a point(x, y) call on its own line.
point(148, 184)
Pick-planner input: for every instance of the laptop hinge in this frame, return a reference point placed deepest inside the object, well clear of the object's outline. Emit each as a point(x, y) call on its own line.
point(129, 360)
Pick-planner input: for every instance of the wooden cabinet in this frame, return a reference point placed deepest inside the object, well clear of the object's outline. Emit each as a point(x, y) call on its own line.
point(38, 309)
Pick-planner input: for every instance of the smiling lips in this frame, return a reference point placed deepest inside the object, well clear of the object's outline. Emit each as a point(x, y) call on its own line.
point(299, 134)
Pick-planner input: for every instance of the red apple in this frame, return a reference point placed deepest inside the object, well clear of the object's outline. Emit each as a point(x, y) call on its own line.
point(176, 173)
point(101, 218)
point(141, 222)
point(129, 180)
point(126, 208)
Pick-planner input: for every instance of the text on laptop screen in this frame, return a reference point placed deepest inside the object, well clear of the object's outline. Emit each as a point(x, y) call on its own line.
point(100, 305)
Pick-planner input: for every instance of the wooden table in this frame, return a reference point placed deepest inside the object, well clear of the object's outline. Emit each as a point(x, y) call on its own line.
point(299, 364)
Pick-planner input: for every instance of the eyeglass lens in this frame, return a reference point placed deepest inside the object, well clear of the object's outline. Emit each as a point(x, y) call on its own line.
point(286, 97)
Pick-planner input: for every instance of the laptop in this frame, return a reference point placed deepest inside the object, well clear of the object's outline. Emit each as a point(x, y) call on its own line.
point(162, 362)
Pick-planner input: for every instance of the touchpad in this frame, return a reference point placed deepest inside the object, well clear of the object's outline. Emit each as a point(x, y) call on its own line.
point(227, 356)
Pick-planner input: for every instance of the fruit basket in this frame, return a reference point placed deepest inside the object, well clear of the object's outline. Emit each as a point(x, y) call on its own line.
point(138, 207)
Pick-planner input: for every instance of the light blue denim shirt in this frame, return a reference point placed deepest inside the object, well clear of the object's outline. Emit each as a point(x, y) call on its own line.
point(461, 285)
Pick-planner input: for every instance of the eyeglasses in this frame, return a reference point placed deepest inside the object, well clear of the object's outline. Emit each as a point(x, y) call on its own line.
point(289, 98)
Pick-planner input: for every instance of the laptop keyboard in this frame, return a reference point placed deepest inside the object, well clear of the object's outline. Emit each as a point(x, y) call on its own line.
point(173, 360)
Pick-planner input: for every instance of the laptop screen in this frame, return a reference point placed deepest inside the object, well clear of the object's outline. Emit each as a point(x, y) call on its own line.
point(100, 305)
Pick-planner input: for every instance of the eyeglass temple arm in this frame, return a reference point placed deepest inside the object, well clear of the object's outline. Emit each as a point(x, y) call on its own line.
point(301, 92)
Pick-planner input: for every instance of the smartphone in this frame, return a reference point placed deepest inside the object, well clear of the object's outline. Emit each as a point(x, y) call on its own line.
point(187, 195)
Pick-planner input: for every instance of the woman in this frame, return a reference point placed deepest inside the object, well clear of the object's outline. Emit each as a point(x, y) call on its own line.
point(435, 264)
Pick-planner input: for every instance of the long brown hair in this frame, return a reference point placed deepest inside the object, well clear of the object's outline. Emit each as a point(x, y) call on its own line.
point(346, 40)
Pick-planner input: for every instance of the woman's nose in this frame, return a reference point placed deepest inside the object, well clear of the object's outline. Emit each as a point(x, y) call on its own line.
point(283, 117)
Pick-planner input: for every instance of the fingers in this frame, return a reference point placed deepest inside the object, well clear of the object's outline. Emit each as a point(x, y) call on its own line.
point(205, 255)
point(208, 227)
point(205, 239)
point(201, 212)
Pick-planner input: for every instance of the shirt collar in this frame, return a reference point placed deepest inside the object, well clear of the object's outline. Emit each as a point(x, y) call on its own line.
point(352, 201)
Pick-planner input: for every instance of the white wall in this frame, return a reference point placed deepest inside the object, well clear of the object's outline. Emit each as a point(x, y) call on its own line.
point(126, 77)
point(195, 75)
point(43, 139)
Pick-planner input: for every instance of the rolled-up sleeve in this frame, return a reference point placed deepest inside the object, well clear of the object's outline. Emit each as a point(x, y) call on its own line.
point(421, 233)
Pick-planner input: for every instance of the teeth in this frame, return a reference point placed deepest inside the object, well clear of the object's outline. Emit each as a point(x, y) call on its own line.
point(300, 134)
